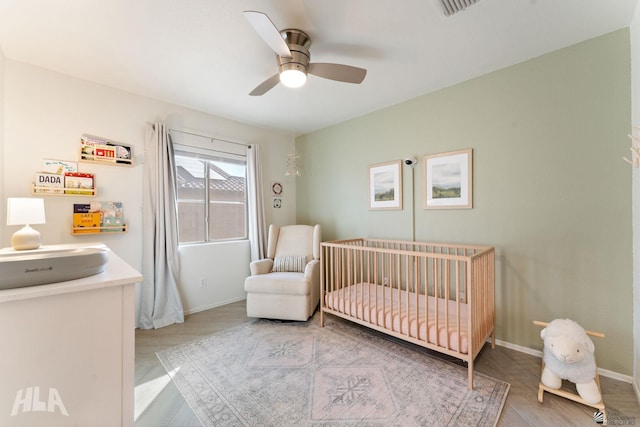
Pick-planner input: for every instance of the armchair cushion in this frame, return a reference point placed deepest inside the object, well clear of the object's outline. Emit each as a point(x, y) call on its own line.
point(278, 283)
point(289, 263)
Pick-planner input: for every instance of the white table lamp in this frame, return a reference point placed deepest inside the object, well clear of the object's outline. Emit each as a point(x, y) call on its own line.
point(25, 211)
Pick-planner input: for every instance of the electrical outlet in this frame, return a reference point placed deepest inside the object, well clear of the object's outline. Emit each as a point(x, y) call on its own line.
point(203, 282)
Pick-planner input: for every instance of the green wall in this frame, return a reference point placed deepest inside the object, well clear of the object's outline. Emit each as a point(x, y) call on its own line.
point(551, 191)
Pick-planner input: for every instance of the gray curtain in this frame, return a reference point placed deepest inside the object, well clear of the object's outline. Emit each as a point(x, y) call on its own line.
point(255, 196)
point(160, 303)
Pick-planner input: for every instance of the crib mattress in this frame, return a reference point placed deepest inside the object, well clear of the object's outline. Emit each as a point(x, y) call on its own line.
point(435, 320)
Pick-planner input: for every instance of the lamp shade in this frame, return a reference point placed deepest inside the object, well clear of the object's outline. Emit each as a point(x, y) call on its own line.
point(22, 211)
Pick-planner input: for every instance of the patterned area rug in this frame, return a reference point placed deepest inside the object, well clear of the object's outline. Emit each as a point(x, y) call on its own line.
point(269, 373)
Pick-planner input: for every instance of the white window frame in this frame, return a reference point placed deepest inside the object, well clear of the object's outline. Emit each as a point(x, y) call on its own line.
point(213, 154)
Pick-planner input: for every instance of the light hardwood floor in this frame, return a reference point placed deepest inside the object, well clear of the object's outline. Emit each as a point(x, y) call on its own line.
point(159, 403)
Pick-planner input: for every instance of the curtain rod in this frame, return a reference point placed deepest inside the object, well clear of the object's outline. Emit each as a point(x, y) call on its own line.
point(213, 138)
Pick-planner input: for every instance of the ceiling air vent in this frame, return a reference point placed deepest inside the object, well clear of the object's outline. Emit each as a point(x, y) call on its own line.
point(451, 7)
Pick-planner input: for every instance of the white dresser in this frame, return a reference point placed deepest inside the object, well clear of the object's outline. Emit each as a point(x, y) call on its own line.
point(67, 351)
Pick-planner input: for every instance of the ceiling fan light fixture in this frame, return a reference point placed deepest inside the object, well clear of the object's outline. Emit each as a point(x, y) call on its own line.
point(292, 54)
point(293, 78)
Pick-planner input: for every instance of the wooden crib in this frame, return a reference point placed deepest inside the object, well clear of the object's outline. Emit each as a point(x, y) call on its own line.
point(438, 296)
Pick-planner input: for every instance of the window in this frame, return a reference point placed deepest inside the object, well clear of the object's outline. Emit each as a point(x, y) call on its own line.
point(212, 196)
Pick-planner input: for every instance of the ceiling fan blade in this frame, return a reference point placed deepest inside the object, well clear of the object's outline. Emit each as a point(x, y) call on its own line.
point(266, 85)
point(268, 32)
point(339, 72)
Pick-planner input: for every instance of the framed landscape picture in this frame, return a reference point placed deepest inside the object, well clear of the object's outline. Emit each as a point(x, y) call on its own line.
point(448, 180)
point(385, 186)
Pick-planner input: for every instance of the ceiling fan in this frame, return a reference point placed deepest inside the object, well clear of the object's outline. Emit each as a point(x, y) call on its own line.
point(292, 49)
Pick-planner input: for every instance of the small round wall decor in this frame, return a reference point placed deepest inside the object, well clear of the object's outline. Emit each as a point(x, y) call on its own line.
point(276, 189)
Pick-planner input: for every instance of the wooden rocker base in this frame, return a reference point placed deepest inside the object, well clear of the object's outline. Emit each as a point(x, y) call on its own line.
point(573, 396)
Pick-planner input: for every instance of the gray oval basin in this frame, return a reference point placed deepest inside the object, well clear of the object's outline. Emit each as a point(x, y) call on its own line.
point(19, 269)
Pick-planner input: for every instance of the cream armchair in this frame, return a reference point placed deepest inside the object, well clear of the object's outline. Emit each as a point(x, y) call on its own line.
point(286, 284)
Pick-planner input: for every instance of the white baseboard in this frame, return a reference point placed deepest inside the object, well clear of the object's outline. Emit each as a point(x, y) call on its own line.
point(520, 348)
point(603, 372)
point(216, 304)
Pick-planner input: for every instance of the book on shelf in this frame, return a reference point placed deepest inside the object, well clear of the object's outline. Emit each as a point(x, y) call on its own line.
point(89, 221)
point(49, 183)
point(78, 183)
point(112, 224)
point(81, 207)
point(112, 218)
point(58, 167)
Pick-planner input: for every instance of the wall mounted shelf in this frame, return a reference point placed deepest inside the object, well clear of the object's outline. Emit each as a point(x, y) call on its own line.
point(103, 151)
point(105, 161)
point(62, 191)
point(98, 217)
point(85, 231)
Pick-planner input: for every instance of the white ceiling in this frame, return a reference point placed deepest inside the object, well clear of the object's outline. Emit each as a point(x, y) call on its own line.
point(203, 54)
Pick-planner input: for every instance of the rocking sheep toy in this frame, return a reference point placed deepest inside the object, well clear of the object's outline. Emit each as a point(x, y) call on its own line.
point(568, 355)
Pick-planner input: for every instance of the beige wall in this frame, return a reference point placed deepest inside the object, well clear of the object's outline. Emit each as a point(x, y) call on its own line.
point(45, 113)
point(551, 191)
